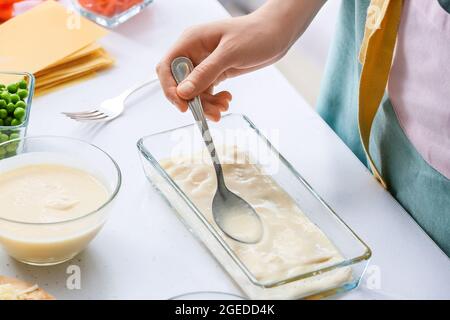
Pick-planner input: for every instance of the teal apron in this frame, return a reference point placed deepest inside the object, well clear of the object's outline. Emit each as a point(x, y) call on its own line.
point(419, 188)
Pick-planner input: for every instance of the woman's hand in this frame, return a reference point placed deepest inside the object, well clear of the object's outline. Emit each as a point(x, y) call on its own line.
point(231, 47)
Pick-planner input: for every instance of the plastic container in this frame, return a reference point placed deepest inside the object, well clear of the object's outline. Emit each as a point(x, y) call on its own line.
point(110, 13)
point(237, 130)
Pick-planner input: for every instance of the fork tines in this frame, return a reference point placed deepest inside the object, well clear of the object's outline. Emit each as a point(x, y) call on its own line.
point(86, 115)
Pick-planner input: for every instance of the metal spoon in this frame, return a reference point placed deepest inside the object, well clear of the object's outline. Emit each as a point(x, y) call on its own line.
point(234, 216)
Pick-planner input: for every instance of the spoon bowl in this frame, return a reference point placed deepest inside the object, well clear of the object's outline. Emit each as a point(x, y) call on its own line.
point(236, 218)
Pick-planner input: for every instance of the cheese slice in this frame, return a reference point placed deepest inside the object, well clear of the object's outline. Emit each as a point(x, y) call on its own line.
point(43, 36)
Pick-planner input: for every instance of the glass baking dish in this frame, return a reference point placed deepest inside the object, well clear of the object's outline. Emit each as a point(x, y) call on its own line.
point(238, 130)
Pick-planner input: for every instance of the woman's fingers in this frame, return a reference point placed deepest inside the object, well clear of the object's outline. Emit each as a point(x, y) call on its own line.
point(213, 105)
point(211, 112)
point(200, 46)
point(211, 62)
point(169, 86)
point(204, 75)
point(188, 45)
point(222, 100)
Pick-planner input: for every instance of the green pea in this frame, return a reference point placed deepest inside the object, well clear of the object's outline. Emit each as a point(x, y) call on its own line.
point(10, 107)
point(22, 84)
point(12, 88)
point(5, 96)
point(19, 113)
point(7, 121)
point(13, 136)
point(15, 122)
point(2, 86)
point(1, 122)
point(23, 93)
point(3, 114)
point(2, 152)
point(2, 104)
point(3, 137)
point(21, 104)
point(14, 98)
point(11, 147)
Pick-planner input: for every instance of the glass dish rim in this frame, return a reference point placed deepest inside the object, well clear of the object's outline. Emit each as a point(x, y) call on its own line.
point(216, 293)
point(117, 16)
point(347, 262)
point(91, 213)
point(29, 98)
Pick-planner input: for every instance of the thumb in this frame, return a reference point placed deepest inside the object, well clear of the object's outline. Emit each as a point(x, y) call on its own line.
point(202, 77)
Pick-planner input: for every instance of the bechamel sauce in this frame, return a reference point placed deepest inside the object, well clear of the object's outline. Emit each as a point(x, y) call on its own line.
point(291, 244)
point(48, 193)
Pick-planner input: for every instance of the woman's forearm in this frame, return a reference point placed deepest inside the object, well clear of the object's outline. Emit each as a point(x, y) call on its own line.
point(292, 17)
point(231, 47)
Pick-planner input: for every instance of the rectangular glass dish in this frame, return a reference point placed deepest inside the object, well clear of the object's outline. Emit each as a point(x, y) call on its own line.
point(340, 273)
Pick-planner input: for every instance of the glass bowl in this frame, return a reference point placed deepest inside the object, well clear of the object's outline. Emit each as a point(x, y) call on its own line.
point(110, 13)
point(48, 243)
point(317, 280)
point(18, 131)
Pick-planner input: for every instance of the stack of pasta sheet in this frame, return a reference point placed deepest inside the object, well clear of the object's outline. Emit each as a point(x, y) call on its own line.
point(55, 44)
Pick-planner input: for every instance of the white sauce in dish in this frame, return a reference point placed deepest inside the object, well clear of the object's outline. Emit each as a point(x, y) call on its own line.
point(291, 244)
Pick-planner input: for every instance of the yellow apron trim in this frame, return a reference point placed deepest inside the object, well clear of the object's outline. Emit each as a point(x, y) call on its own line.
point(375, 15)
point(377, 51)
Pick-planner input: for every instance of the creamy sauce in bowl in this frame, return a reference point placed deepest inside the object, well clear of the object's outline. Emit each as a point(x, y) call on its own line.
point(45, 193)
point(49, 212)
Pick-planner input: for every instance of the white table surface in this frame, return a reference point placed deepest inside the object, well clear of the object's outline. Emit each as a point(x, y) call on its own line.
point(144, 252)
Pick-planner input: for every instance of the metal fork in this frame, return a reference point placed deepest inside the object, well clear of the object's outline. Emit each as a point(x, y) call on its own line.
point(108, 109)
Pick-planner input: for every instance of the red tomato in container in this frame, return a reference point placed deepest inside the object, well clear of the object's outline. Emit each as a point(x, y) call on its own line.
point(108, 8)
point(6, 11)
point(7, 8)
point(5, 2)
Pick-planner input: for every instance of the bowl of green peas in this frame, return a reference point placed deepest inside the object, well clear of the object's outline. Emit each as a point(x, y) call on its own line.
point(16, 93)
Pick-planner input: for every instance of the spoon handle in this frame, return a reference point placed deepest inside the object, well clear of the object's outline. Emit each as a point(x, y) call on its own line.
point(181, 68)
